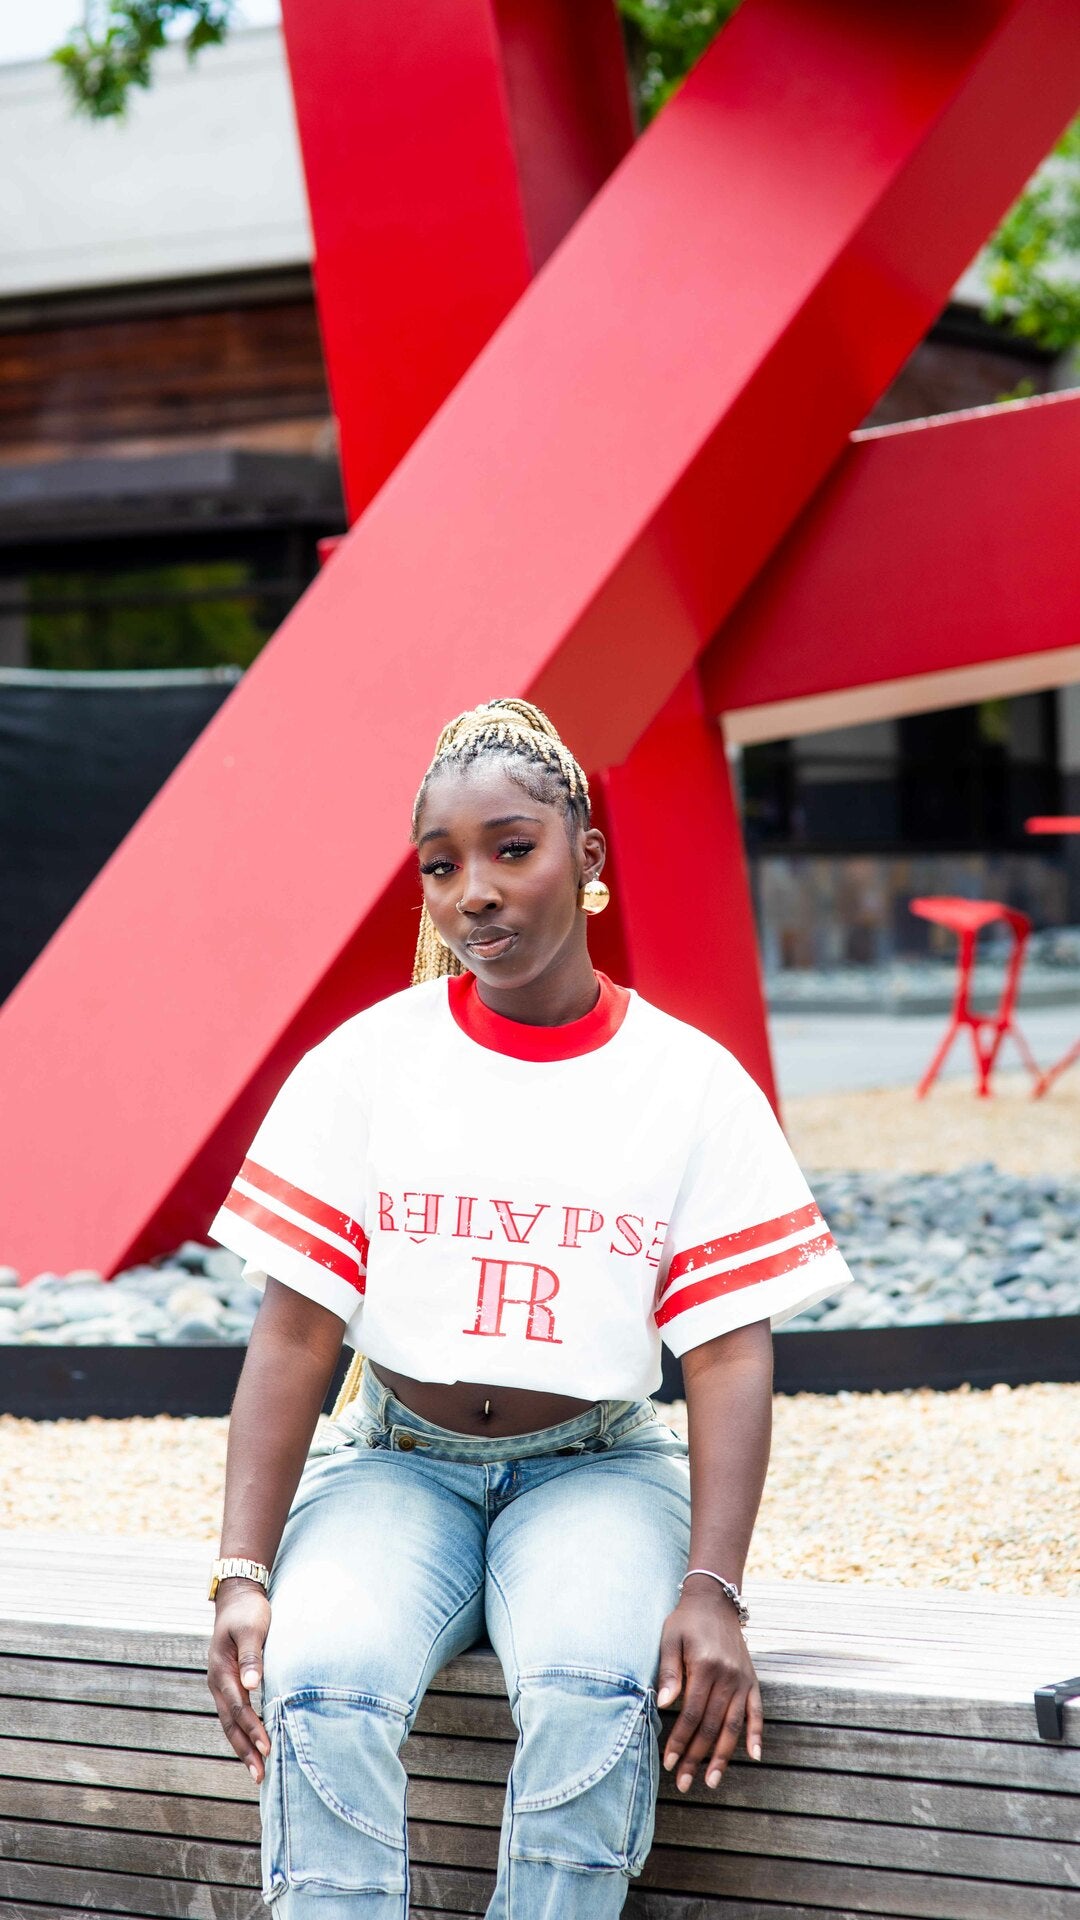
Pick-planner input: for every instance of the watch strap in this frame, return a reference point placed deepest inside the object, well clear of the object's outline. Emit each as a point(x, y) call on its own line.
point(233, 1569)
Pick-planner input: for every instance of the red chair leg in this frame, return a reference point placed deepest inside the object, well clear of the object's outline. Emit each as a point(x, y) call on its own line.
point(1025, 1053)
point(938, 1060)
point(961, 1013)
point(1053, 1073)
point(984, 1056)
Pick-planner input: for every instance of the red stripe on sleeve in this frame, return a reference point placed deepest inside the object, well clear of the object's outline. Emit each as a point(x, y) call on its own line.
point(306, 1203)
point(323, 1254)
point(750, 1275)
point(731, 1244)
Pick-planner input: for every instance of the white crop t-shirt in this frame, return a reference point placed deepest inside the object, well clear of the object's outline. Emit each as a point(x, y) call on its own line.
point(528, 1206)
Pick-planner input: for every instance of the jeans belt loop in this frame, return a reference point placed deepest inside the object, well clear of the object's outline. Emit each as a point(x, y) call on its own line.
point(382, 1395)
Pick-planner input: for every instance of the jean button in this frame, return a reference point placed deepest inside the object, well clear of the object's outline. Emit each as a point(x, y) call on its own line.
point(406, 1443)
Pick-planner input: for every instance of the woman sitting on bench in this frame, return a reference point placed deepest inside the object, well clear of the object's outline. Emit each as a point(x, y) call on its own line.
point(504, 1186)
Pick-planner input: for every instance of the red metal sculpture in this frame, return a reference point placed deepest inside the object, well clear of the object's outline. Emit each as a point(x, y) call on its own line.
point(578, 520)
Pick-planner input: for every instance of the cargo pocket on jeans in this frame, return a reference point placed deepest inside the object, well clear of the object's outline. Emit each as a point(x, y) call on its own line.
point(333, 1805)
point(584, 1778)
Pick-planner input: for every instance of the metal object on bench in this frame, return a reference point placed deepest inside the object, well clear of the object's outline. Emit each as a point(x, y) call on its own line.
point(1050, 1704)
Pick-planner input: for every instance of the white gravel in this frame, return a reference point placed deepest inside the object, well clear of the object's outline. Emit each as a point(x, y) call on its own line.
point(965, 1490)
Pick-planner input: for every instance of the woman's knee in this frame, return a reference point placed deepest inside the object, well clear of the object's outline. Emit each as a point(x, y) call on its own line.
point(584, 1779)
point(333, 1800)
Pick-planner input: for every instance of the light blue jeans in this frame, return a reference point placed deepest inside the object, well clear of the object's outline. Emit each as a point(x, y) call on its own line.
point(406, 1543)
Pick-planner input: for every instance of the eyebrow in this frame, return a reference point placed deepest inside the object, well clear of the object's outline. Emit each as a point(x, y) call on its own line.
point(504, 820)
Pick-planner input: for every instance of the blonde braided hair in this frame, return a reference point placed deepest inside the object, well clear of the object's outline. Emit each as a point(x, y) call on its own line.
point(518, 729)
point(512, 727)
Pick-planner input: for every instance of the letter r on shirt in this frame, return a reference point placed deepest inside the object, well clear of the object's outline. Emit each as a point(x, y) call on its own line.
point(492, 1297)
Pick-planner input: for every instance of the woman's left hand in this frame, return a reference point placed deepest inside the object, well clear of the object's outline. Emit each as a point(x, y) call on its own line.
point(704, 1657)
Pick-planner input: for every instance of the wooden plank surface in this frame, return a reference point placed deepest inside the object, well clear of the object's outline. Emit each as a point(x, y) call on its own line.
point(468, 1817)
point(102, 1892)
point(835, 1695)
point(869, 1751)
point(903, 1773)
point(116, 1811)
point(174, 1733)
point(961, 1664)
point(67, 387)
point(921, 1803)
point(124, 1767)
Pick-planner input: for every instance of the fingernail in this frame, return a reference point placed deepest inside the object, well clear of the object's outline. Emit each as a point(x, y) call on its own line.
point(253, 1770)
point(685, 1780)
point(670, 1760)
point(755, 1749)
point(714, 1778)
point(665, 1696)
point(251, 1677)
point(263, 1747)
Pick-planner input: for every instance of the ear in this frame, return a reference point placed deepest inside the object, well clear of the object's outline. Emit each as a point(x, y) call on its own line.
point(592, 850)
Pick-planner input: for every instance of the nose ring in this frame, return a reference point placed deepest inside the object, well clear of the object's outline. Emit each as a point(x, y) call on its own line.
point(460, 908)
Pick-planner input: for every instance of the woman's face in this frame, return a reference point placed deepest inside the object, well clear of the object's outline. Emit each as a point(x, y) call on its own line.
point(501, 873)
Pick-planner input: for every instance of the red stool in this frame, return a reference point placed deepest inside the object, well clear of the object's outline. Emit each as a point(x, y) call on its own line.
point(967, 918)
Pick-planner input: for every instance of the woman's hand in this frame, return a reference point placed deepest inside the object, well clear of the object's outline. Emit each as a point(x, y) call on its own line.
point(234, 1668)
point(704, 1657)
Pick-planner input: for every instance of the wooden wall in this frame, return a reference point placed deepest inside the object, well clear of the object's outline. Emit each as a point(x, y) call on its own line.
point(245, 374)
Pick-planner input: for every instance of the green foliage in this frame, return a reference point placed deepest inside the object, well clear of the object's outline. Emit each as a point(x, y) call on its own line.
point(1032, 262)
point(195, 614)
point(666, 38)
point(113, 50)
point(1024, 389)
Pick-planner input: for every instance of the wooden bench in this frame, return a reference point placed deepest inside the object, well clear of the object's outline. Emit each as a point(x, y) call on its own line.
point(904, 1774)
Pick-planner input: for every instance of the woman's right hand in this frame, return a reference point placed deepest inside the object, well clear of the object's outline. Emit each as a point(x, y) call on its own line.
point(234, 1668)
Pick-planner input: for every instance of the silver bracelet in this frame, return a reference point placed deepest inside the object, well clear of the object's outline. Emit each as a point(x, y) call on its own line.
point(733, 1593)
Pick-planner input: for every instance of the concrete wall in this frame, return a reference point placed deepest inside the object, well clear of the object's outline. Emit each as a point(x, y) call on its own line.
point(203, 177)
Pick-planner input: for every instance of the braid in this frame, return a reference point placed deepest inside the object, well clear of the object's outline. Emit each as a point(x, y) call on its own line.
point(515, 728)
point(519, 730)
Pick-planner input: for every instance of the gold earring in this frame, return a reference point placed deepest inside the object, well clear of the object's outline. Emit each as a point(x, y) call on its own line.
point(594, 896)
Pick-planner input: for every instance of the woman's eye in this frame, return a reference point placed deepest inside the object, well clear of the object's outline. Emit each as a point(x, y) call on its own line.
point(437, 867)
point(515, 848)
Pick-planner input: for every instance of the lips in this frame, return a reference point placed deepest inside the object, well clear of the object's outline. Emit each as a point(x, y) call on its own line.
point(489, 943)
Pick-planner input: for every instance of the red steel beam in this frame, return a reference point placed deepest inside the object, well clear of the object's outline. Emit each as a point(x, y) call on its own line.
point(541, 94)
point(683, 883)
point(576, 521)
point(447, 149)
point(937, 545)
point(548, 106)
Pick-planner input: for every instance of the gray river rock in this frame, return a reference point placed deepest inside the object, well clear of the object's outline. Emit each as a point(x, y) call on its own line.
point(923, 1248)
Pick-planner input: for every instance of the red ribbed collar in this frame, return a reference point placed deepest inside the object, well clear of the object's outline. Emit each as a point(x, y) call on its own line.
point(522, 1042)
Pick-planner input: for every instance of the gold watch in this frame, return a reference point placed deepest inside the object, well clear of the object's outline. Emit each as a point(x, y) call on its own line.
point(233, 1569)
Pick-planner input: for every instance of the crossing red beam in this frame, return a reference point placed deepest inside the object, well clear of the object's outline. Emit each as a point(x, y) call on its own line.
point(576, 521)
point(447, 149)
point(931, 547)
